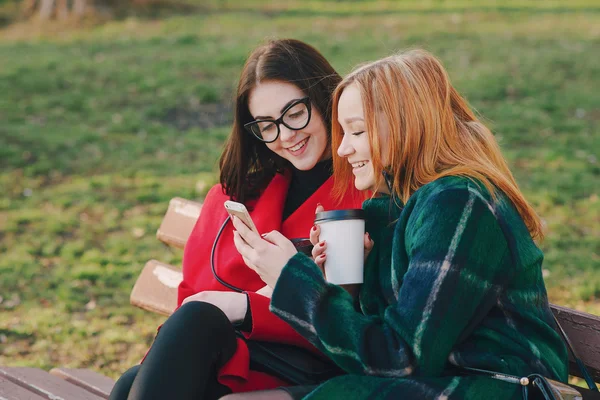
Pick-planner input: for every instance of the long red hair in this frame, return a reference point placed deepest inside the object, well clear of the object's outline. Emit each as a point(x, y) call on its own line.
point(432, 131)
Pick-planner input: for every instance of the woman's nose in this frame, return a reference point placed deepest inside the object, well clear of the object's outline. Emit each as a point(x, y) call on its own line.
point(285, 133)
point(345, 149)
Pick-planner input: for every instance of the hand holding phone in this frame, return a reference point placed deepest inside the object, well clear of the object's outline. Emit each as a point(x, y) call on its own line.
point(236, 209)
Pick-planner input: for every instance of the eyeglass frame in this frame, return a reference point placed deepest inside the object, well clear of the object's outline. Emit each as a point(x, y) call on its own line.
point(279, 121)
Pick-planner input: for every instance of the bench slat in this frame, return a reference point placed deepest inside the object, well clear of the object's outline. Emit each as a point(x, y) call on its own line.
point(11, 391)
point(45, 385)
point(583, 330)
point(178, 222)
point(156, 288)
point(86, 379)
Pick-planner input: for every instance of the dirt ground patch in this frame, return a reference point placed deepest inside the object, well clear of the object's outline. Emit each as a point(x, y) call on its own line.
point(203, 116)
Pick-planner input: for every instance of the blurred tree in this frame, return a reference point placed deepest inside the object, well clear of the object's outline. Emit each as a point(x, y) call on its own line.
point(63, 9)
point(60, 9)
point(66, 9)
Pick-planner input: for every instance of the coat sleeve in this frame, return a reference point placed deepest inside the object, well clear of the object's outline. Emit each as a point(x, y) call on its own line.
point(456, 251)
point(194, 263)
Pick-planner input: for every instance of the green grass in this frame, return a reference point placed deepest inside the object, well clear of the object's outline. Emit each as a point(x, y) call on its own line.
point(99, 128)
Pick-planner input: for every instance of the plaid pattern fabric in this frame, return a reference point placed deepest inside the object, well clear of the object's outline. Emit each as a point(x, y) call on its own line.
point(454, 279)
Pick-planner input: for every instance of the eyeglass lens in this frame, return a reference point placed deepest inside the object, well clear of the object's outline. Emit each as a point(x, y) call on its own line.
point(295, 117)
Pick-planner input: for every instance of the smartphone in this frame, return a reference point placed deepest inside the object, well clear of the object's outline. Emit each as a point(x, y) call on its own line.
point(239, 210)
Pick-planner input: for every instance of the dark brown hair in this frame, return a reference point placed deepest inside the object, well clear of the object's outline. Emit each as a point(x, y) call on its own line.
point(247, 164)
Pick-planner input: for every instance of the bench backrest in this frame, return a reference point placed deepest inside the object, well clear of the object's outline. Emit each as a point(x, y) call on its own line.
point(583, 329)
point(179, 220)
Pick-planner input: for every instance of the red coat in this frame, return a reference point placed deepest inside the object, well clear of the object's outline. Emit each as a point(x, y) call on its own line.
point(266, 213)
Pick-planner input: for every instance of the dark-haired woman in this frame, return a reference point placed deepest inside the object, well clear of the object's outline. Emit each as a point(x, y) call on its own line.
point(277, 162)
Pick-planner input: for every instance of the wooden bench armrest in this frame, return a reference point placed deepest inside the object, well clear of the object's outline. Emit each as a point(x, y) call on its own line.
point(156, 288)
point(178, 222)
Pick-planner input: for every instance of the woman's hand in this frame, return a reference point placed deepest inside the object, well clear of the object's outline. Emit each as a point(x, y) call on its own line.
point(266, 255)
point(233, 304)
point(318, 251)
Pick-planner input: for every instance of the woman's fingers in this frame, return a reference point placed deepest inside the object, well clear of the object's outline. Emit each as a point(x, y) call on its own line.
point(243, 248)
point(368, 244)
point(246, 233)
point(277, 238)
point(320, 261)
point(316, 231)
point(319, 208)
point(314, 235)
point(239, 243)
point(318, 249)
point(240, 227)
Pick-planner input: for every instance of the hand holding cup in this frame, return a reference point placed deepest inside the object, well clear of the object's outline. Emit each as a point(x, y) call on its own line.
point(320, 246)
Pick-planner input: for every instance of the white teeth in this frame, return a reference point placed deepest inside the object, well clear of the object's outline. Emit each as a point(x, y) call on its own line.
point(359, 164)
point(299, 145)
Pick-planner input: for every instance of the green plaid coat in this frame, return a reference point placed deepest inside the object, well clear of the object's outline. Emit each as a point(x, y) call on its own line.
point(454, 279)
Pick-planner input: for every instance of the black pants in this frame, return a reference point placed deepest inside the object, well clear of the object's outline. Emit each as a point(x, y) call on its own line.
point(183, 361)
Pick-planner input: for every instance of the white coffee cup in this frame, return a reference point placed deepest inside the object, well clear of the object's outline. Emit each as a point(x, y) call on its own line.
point(343, 231)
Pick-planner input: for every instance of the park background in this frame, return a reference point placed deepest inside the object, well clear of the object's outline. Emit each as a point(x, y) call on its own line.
point(106, 115)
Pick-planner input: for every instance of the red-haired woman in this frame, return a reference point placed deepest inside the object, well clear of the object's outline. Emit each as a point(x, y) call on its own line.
point(454, 278)
point(277, 161)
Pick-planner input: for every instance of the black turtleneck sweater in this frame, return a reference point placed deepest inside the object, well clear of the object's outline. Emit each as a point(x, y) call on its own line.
point(304, 184)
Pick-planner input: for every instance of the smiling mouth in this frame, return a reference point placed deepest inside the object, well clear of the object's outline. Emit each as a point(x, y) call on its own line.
point(298, 145)
point(358, 165)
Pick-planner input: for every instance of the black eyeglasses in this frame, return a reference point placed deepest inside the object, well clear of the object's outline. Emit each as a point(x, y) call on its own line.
point(296, 116)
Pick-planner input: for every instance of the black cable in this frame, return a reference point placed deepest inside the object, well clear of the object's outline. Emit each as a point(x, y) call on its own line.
point(212, 260)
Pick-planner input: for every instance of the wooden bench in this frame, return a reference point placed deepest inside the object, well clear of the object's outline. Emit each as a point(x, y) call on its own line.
point(156, 288)
point(22, 383)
